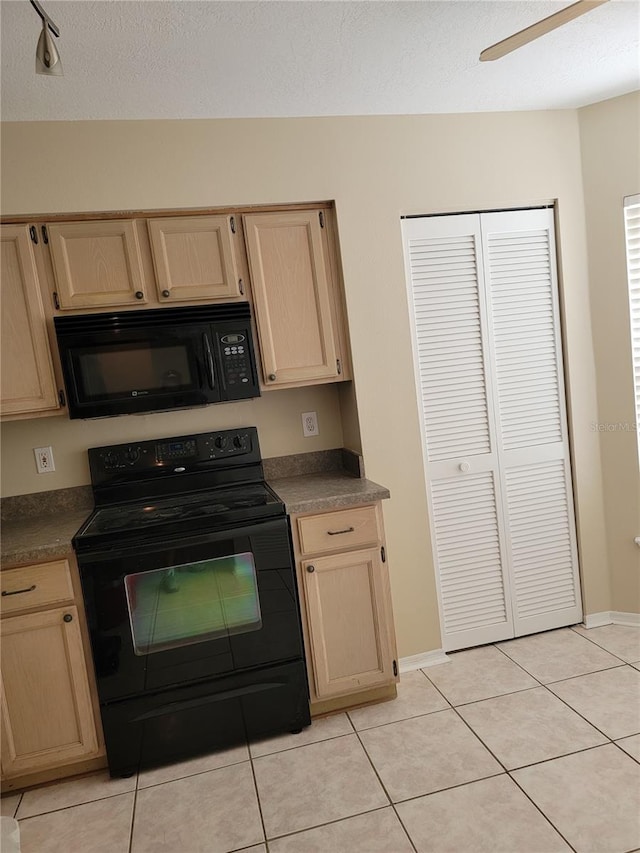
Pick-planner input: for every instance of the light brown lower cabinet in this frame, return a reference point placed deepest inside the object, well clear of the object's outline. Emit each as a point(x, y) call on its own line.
point(346, 608)
point(48, 717)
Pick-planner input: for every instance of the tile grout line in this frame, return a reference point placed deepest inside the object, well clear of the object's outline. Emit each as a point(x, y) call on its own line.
point(72, 805)
point(395, 811)
point(513, 780)
point(591, 672)
point(373, 767)
point(189, 775)
point(575, 633)
point(519, 665)
point(505, 772)
point(558, 757)
point(133, 813)
point(326, 823)
point(544, 760)
point(582, 717)
point(375, 770)
point(497, 696)
point(537, 807)
point(257, 790)
point(419, 796)
point(298, 745)
point(615, 743)
point(603, 648)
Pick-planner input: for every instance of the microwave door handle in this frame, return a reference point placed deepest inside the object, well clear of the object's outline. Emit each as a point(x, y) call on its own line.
point(209, 360)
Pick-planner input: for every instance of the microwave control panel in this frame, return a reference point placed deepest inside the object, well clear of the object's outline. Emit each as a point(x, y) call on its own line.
point(236, 360)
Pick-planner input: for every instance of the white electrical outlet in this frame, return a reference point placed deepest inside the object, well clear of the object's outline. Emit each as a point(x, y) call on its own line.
point(44, 459)
point(310, 424)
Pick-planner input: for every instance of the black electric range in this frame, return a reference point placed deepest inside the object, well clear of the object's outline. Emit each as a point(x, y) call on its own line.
point(191, 599)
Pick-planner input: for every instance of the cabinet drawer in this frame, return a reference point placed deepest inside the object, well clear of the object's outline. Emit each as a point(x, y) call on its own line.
point(35, 586)
point(340, 530)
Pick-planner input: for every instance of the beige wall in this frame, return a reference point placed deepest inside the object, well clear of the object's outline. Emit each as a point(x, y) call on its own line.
point(277, 416)
point(610, 141)
point(376, 168)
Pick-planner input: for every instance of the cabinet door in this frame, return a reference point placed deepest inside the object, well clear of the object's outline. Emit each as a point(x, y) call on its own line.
point(293, 292)
point(47, 718)
point(348, 612)
point(97, 264)
point(194, 258)
point(28, 380)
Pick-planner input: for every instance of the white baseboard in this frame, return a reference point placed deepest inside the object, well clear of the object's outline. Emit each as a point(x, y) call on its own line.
point(611, 617)
point(409, 664)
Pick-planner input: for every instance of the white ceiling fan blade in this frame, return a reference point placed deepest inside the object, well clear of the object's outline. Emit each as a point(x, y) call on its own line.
point(541, 28)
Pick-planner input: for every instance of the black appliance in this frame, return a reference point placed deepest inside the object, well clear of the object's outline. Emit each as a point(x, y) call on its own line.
point(163, 358)
point(191, 599)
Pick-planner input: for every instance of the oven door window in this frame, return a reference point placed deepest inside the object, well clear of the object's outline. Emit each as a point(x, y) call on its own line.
point(193, 602)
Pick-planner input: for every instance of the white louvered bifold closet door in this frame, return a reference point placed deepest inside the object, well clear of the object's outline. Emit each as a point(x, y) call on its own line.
point(489, 370)
point(632, 240)
point(445, 270)
point(533, 448)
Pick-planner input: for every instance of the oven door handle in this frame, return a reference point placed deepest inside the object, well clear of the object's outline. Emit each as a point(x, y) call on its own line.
point(211, 376)
point(223, 696)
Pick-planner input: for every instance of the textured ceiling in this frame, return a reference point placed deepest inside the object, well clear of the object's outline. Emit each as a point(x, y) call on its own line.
point(189, 59)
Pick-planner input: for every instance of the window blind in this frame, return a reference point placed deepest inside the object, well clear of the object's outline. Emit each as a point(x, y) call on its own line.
point(632, 238)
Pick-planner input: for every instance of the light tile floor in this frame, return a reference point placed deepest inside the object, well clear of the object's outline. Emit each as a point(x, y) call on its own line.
point(527, 746)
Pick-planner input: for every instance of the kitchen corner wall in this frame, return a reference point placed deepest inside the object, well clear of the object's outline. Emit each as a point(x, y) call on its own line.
point(610, 141)
point(376, 169)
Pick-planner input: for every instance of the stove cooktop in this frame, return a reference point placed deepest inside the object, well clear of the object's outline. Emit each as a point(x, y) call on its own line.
point(179, 514)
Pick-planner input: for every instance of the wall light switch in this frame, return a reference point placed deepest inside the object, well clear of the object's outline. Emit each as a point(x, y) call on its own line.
point(310, 424)
point(44, 459)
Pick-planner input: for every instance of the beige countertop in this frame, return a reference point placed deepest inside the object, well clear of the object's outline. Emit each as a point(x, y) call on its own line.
point(39, 539)
point(322, 492)
point(35, 539)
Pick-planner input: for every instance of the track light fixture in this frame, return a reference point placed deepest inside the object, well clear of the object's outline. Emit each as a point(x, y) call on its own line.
point(47, 57)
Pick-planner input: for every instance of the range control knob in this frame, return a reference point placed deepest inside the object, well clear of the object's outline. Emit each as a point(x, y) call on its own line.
point(220, 441)
point(132, 454)
point(237, 442)
point(110, 459)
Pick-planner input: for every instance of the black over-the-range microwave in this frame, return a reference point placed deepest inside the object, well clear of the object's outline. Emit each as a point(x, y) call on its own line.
point(153, 360)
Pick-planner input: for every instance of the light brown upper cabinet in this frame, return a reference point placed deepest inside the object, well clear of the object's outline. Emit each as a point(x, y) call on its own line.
point(194, 258)
point(296, 300)
point(97, 264)
point(28, 379)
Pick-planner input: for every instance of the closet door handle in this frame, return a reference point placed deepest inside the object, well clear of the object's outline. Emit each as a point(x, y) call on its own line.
point(464, 466)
